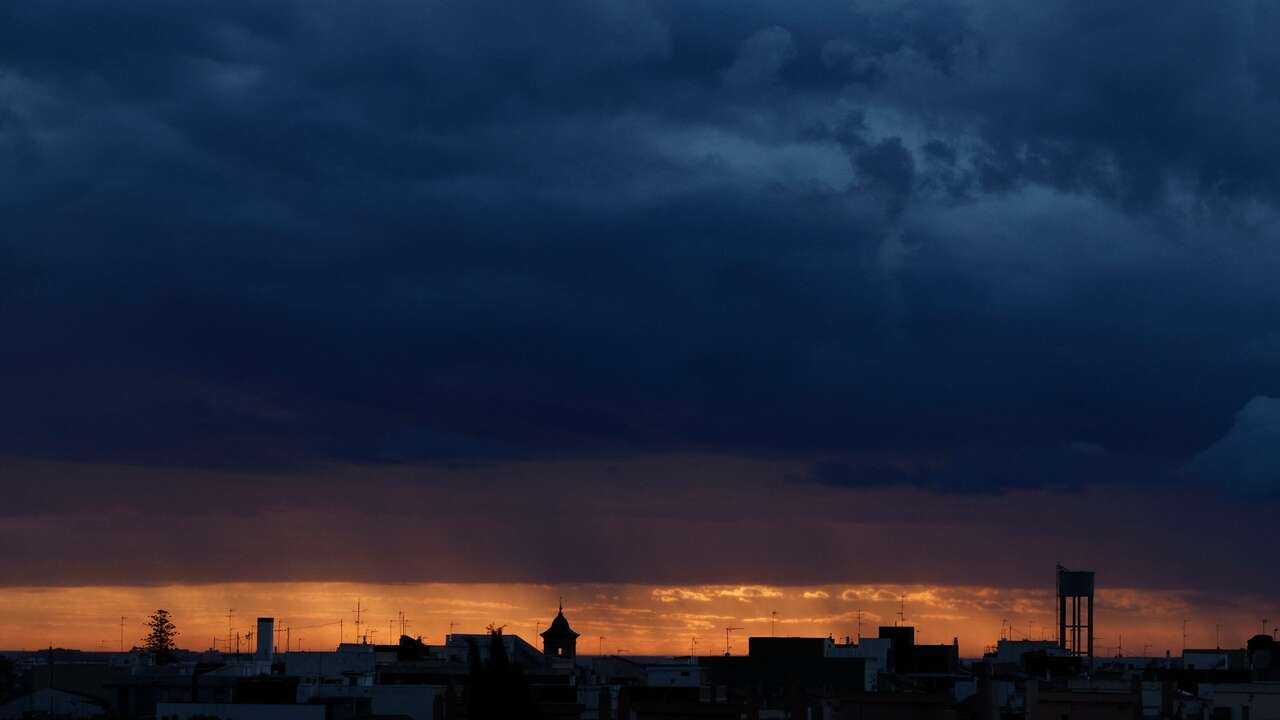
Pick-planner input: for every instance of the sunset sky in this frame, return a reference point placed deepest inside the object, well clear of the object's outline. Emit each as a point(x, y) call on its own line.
point(687, 311)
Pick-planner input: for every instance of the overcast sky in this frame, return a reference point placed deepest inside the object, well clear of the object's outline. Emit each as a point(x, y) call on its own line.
point(640, 292)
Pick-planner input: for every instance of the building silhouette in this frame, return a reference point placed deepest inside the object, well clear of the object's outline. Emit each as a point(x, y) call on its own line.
point(559, 640)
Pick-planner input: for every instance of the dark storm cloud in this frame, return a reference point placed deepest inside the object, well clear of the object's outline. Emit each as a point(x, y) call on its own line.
point(270, 235)
point(987, 470)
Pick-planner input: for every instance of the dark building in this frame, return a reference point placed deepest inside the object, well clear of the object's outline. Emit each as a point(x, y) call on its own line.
point(560, 640)
point(780, 647)
point(899, 636)
point(787, 674)
point(908, 658)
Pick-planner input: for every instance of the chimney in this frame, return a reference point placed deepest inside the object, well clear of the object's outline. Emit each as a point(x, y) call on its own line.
point(266, 636)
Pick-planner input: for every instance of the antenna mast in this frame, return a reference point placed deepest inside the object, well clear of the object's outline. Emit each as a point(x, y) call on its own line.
point(230, 628)
point(726, 638)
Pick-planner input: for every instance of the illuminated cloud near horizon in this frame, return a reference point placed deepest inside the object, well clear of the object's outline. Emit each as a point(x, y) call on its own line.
point(634, 617)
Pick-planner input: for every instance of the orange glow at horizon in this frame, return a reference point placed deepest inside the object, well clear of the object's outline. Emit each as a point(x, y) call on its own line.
point(632, 619)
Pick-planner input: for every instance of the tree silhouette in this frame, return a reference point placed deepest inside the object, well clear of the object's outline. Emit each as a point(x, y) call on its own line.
point(160, 637)
point(496, 688)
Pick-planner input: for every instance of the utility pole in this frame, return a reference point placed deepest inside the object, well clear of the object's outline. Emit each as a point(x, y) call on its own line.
point(859, 626)
point(230, 628)
point(773, 618)
point(693, 648)
point(122, 619)
point(600, 649)
point(1184, 636)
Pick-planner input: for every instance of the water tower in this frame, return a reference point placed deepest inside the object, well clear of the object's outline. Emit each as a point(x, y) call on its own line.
point(1075, 613)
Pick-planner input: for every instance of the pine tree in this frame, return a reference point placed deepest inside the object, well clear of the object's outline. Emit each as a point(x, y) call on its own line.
point(160, 638)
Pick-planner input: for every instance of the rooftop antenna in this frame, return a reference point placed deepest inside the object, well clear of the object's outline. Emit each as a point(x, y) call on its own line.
point(342, 634)
point(859, 626)
point(1184, 636)
point(773, 618)
point(726, 638)
point(122, 619)
point(1217, 636)
point(359, 638)
point(600, 649)
point(693, 648)
point(902, 607)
